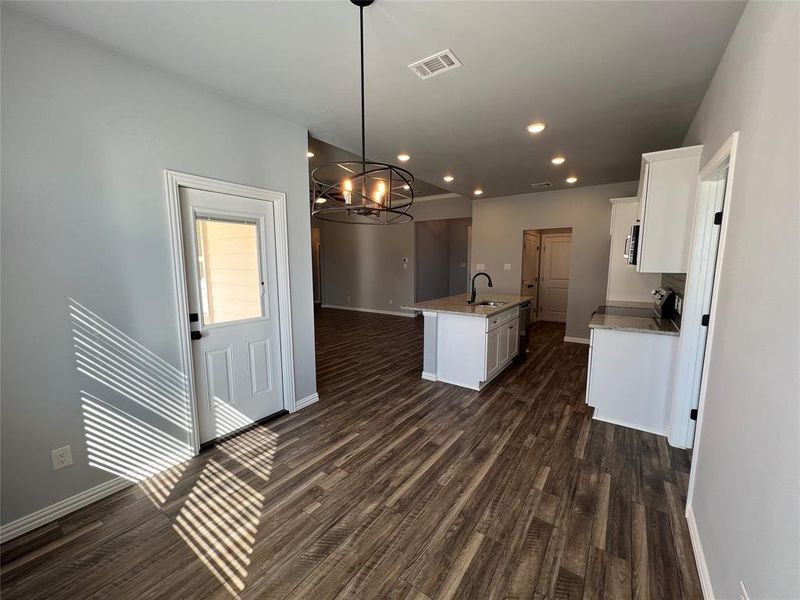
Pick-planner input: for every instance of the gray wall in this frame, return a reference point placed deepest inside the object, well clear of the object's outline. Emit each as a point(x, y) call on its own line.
point(747, 494)
point(441, 257)
point(497, 229)
point(87, 134)
point(432, 260)
point(458, 238)
point(365, 262)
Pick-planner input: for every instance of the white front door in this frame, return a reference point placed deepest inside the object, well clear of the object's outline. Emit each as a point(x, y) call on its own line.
point(556, 249)
point(231, 275)
point(530, 270)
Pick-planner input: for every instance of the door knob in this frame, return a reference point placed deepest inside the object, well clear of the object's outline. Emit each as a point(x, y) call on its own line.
point(196, 335)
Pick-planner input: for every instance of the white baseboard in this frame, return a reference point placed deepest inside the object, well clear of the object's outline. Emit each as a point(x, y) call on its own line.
point(699, 555)
point(576, 340)
point(429, 376)
point(307, 401)
point(395, 313)
point(628, 425)
point(55, 511)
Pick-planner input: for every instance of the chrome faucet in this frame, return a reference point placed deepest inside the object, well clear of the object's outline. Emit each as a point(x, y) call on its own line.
point(474, 292)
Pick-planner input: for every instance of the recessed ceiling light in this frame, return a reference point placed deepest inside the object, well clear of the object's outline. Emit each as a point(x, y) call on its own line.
point(536, 127)
point(321, 200)
point(403, 157)
point(448, 178)
point(478, 192)
point(558, 160)
point(406, 187)
point(309, 155)
point(572, 179)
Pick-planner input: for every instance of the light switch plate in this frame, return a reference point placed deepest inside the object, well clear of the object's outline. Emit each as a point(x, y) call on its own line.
point(507, 267)
point(62, 457)
point(480, 266)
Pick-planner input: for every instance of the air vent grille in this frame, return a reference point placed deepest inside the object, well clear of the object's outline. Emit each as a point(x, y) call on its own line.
point(439, 63)
point(541, 185)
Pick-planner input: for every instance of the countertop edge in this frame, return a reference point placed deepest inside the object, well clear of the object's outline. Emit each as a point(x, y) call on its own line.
point(490, 310)
point(634, 329)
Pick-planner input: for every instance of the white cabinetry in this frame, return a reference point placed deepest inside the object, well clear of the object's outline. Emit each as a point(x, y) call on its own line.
point(471, 350)
point(624, 282)
point(630, 378)
point(667, 188)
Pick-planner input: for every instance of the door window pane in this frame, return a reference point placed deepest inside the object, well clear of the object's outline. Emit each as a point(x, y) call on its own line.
point(228, 270)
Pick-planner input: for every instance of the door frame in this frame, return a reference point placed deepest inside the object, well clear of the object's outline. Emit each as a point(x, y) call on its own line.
point(535, 298)
point(707, 184)
point(174, 180)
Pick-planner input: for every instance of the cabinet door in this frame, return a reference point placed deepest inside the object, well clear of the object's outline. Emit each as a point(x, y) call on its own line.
point(492, 352)
point(502, 345)
point(513, 338)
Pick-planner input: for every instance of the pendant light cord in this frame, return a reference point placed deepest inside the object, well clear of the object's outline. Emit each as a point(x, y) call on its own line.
point(363, 127)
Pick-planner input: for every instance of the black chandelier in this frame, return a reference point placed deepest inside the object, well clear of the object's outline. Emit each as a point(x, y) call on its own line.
point(371, 193)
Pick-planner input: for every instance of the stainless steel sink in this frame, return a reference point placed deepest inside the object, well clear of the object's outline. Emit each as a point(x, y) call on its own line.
point(489, 303)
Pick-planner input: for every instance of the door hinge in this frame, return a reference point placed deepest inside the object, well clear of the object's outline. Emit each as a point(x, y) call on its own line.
point(718, 218)
point(704, 320)
point(693, 414)
point(194, 317)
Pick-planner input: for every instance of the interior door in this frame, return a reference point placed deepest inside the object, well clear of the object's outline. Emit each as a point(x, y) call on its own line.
point(530, 270)
point(231, 275)
point(556, 250)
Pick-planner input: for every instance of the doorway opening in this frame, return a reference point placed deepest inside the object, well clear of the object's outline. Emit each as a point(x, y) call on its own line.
point(231, 266)
point(316, 264)
point(545, 272)
point(442, 249)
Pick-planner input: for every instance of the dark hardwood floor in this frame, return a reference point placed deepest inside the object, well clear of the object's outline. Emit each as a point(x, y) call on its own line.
point(392, 487)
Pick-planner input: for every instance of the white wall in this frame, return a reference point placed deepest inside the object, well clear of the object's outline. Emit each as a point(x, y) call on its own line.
point(497, 230)
point(747, 494)
point(87, 134)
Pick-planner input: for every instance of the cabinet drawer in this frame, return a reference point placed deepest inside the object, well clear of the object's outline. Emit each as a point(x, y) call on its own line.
point(503, 317)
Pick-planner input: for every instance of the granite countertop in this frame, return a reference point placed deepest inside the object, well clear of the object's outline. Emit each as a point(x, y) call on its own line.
point(630, 316)
point(457, 305)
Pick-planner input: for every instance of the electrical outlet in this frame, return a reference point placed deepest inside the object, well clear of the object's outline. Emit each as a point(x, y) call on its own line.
point(348, 298)
point(391, 301)
point(507, 267)
point(743, 595)
point(62, 457)
point(480, 267)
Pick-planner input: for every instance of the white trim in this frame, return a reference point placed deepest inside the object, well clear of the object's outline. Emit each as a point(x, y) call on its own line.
point(576, 340)
point(429, 376)
point(371, 310)
point(174, 181)
point(307, 401)
point(626, 200)
point(726, 153)
point(699, 556)
point(660, 432)
point(55, 511)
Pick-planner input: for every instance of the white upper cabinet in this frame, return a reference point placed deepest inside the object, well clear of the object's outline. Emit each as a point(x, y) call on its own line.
point(667, 188)
point(624, 282)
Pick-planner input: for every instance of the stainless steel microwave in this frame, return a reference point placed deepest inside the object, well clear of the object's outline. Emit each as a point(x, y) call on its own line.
point(632, 245)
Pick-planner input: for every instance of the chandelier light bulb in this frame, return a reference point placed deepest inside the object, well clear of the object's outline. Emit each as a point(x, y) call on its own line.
point(348, 191)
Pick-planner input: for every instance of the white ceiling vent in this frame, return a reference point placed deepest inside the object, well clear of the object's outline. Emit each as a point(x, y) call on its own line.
point(541, 185)
point(439, 63)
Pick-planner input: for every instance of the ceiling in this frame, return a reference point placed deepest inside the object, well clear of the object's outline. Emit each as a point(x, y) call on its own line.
point(610, 79)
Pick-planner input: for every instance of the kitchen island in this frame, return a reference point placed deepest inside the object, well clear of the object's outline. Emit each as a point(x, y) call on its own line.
point(469, 344)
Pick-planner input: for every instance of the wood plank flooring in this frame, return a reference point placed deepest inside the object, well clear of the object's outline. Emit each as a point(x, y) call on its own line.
point(392, 487)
